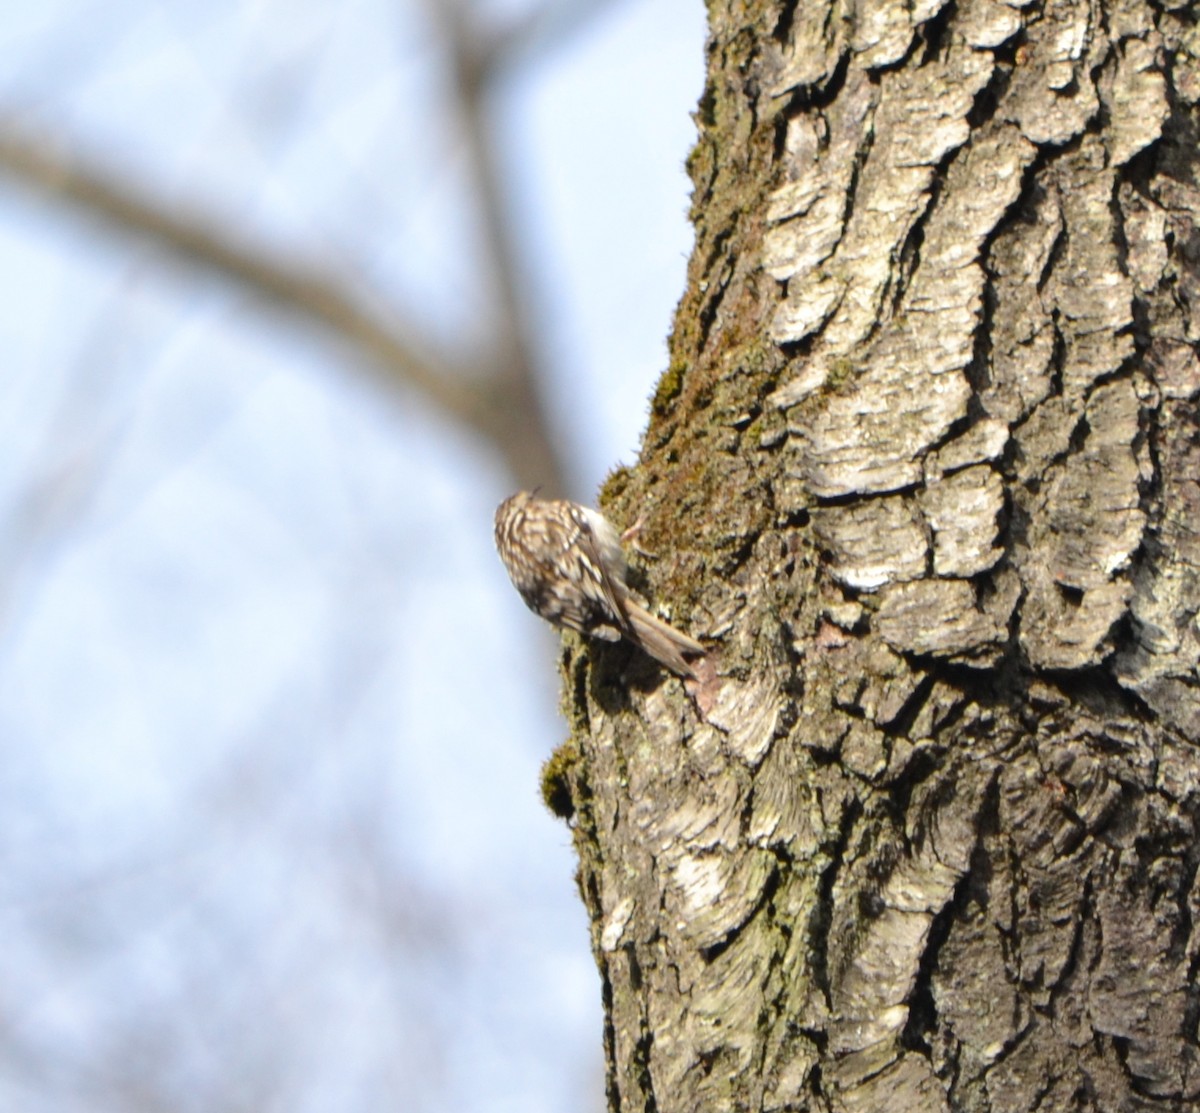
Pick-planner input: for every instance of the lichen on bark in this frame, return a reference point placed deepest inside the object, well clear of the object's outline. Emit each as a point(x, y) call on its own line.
point(923, 471)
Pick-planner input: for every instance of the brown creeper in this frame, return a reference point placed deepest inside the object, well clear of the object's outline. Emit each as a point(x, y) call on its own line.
point(567, 563)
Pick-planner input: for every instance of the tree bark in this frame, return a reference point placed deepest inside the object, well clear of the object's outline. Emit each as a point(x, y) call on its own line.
point(923, 470)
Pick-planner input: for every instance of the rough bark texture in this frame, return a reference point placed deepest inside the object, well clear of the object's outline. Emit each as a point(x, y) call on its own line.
point(924, 469)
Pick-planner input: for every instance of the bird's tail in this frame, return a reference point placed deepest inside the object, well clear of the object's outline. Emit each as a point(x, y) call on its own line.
point(663, 642)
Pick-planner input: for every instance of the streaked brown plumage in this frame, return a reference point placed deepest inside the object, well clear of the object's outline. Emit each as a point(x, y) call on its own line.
point(568, 565)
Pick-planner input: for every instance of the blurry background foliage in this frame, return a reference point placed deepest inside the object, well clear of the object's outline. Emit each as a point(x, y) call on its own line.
point(293, 294)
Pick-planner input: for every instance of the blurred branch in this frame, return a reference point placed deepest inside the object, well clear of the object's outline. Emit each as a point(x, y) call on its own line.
point(514, 354)
point(287, 282)
point(543, 30)
point(503, 405)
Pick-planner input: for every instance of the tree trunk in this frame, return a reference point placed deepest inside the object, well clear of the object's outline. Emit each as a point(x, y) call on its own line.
point(924, 472)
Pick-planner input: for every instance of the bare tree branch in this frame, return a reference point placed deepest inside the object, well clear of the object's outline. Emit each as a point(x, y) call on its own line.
point(542, 31)
point(503, 405)
point(289, 282)
point(515, 352)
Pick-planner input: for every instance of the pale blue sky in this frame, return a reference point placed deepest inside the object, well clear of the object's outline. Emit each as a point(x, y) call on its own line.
point(270, 716)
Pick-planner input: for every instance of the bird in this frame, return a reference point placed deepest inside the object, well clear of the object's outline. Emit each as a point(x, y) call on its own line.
point(566, 561)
